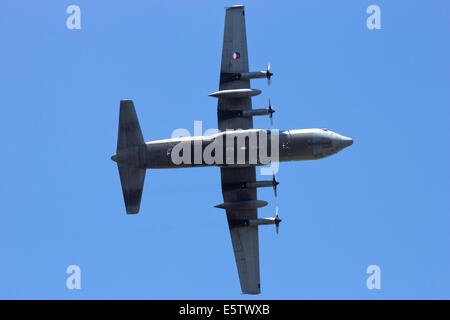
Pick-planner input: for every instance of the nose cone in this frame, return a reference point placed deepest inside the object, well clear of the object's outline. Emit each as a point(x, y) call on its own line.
point(114, 157)
point(341, 142)
point(346, 142)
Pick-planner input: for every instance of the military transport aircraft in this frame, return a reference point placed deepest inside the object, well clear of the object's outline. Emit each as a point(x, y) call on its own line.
point(235, 117)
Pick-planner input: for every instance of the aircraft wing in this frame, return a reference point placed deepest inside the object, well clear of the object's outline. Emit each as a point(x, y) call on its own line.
point(244, 238)
point(234, 60)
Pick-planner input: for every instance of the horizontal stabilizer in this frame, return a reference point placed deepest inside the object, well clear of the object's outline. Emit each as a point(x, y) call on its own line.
point(132, 180)
point(130, 134)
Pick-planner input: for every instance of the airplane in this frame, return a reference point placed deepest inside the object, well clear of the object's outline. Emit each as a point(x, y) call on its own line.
point(235, 135)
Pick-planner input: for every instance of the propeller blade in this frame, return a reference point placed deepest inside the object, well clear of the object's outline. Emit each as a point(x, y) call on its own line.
point(275, 183)
point(268, 74)
point(275, 190)
point(277, 220)
point(271, 111)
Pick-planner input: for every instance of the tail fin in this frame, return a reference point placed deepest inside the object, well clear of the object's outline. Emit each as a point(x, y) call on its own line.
point(130, 135)
point(132, 180)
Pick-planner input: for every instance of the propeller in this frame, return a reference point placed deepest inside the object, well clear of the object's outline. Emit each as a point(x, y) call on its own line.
point(271, 112)
point(275, 183)
point(268, 74)
point(277, 220)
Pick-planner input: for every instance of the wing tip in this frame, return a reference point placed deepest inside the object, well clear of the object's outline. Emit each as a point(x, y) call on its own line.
point(252, 291)
point(237, 6)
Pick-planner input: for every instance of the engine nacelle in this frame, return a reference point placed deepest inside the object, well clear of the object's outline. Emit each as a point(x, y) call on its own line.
point(260, 221)
point(252, 75)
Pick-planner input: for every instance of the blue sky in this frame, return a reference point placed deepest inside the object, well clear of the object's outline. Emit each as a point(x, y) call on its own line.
point(383, 201)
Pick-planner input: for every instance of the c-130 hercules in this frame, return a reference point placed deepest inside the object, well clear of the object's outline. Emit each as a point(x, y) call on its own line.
point(235, 119)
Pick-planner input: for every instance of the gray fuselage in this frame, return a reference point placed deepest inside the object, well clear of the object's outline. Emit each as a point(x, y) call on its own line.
point(234, 148)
